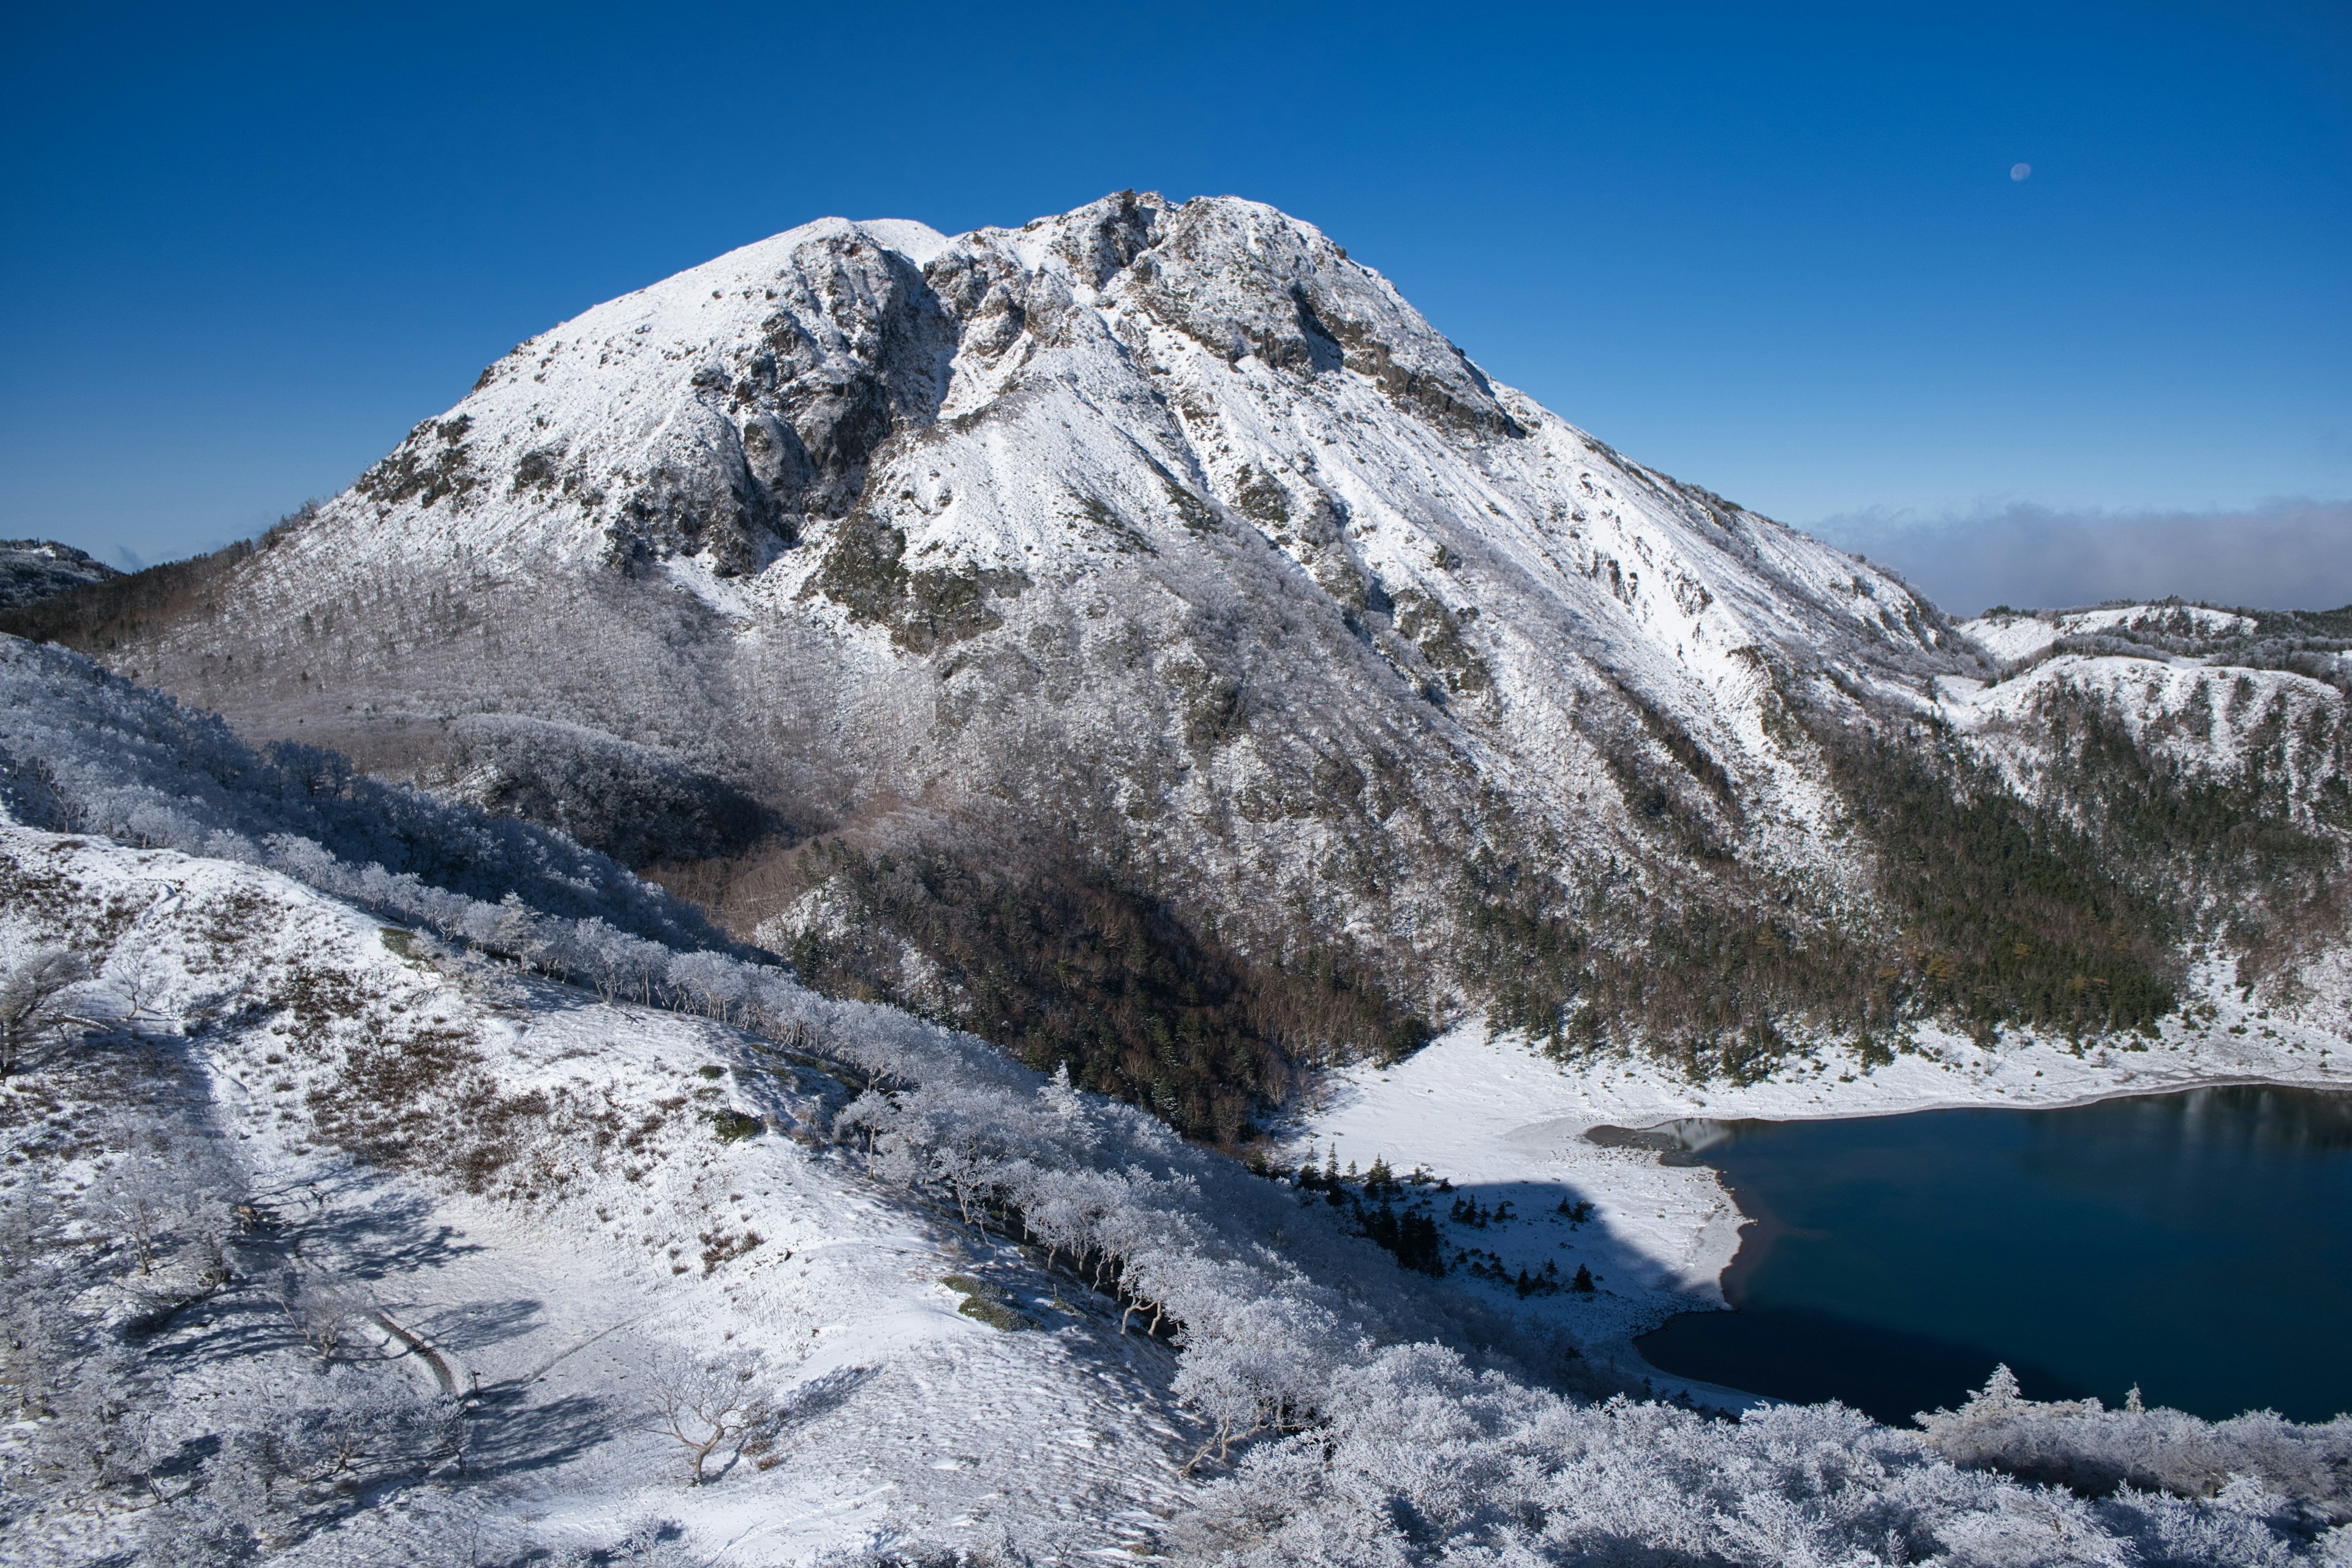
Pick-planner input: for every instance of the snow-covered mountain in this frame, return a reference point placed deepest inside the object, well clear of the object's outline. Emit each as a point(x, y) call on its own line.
point(1181, 491)
point(1170, 542)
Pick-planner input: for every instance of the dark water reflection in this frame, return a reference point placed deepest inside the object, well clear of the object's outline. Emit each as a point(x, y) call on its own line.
point(2197, 1244)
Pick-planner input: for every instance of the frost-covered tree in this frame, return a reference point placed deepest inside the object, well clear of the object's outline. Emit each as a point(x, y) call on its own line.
point(35, 992)
point(2081, 1445)
point(326, 1313)
point(706, 1403)
point(349, 1419)
point(154, 1203)
point(712, 984)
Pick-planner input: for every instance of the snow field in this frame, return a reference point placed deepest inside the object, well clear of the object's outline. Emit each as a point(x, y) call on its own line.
point(2012, 639)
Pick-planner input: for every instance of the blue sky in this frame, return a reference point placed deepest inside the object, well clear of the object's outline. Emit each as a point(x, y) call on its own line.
point(1775, 250)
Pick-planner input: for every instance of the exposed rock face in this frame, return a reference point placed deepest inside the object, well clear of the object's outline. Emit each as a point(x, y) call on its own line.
point(1169, 537)
point(33, 569)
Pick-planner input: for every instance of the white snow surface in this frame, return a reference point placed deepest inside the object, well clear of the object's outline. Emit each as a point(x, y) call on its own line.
point(558, 1286)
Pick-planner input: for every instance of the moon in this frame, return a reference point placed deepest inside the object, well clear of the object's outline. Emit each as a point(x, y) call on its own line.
point(2020, 170)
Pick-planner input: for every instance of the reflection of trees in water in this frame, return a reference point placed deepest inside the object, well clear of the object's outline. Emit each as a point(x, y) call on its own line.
point(2240, 1119)
point(2256, 1115)
point(2246, 1115)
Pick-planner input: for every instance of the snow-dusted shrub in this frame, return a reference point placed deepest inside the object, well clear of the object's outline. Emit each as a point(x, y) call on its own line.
point(1420, 1460)
point(94, 1437)
point(197, 1532)
point(2093, 1450)
point(276, 1460)
point(155, 1204)
point(349, 1420)
point(651, 1542)
point(34, 1000)
point(326, 1313)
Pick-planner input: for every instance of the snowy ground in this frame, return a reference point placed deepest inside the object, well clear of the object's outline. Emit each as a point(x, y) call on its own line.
point(613, 1230)
point(906, 1410)
point(1504, 1122)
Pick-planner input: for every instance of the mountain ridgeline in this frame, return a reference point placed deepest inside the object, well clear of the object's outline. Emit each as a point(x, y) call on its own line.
point(1141, 638)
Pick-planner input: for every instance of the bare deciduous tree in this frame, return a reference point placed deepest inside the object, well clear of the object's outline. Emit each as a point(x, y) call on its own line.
point(137, 1198)
point(160, 1202)
point(326, 1313)
point(33, 989)
point(703, 1405)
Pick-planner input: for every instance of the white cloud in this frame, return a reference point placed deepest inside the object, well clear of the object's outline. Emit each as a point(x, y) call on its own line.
point(2282, 555)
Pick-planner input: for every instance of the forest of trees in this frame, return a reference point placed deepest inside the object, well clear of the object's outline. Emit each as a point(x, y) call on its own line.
point(1060, 962)
point(2069, 909)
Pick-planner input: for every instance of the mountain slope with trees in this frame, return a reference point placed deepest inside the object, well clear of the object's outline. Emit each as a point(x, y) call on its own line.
point(476, 1207)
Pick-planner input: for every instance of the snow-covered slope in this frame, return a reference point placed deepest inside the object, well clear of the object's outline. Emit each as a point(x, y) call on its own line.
point(2011, 638)
point(2173, 626)
point(1171, 542)
point(541, 1200)
point(2204, 717)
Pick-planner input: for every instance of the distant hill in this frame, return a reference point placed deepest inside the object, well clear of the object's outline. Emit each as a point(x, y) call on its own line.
point(35, 569)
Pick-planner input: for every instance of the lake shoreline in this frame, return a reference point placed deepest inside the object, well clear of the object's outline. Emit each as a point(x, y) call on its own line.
point(1499, 1113)
point(1881, 1298)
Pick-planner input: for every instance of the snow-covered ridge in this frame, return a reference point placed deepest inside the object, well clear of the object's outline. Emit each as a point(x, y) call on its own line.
point(2012, 639)
point(32, 569)
point(2200, 715)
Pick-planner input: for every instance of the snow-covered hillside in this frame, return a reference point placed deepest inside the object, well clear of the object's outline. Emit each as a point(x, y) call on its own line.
point(350, 1218)
point(528, 1209)
point(1141, 637)
point(2175, 627)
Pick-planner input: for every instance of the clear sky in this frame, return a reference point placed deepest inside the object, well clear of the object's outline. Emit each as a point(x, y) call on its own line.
point(1777, 250)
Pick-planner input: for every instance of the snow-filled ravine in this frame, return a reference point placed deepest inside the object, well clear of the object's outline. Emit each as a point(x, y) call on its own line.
point(1500, 1122)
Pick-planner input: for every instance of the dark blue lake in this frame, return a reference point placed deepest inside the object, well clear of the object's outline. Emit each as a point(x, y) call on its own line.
point(2198, 1245)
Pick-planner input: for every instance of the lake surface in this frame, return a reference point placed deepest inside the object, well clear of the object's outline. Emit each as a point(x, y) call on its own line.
point(2197, 1244)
